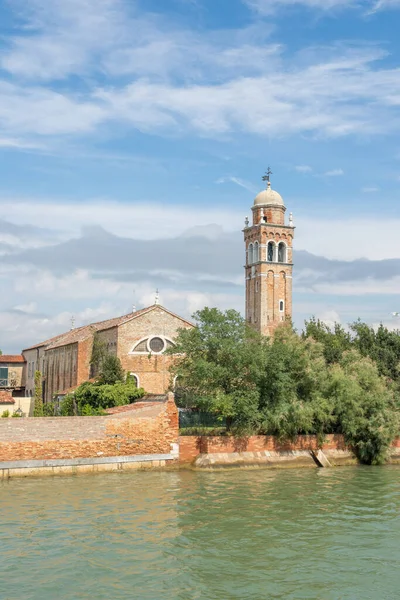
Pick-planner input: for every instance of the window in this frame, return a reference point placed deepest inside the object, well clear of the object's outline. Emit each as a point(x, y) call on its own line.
point(250, 254)
point(141, 347)
point(156, 344)
point(257, 285)
point(255, 253)
point(135, 378)
point(281, 305)
point(3, 376)
point(281, 252)
point(270, 253)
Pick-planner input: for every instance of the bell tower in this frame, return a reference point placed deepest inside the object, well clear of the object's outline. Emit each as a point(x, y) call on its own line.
point(269, 243)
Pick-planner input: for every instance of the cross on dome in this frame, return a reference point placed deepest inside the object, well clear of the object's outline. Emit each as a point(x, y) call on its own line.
point(267, 176)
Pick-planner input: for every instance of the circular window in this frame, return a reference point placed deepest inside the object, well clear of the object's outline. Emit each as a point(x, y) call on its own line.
point(156, 344)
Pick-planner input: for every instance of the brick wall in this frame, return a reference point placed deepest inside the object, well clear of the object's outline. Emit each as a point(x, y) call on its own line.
point(191, 446)
point(143, 430)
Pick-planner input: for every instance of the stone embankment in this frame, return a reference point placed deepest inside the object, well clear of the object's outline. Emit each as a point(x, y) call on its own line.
point(141, 435)
point(146, 435)
point(224, 451)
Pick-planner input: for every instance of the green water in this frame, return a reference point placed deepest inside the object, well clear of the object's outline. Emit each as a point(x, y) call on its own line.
point(309, 534)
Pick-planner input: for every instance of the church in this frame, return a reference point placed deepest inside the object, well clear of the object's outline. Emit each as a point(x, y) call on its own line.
point(141, 338)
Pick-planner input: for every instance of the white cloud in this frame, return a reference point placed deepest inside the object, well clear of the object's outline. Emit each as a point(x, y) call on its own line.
point(303, 169)
point(165, 79)
point(266, 7)
point(360, 288)
point(370, 190)
point(20, 144)
point(339, 238)
point(347, 238)
point(240, 182)
point(87, 299)
point(334, 173)
point(330, 317)
point(138, 218)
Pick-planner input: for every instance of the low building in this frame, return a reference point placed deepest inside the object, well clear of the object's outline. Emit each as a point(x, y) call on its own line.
point(139, 339)
point(12, 390)
point(11, 373)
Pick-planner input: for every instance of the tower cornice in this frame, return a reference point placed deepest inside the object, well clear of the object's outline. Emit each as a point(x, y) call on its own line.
point(263, 224)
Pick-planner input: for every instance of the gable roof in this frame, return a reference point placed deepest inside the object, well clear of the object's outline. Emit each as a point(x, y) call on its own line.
point(82, 333)
point(11, 358)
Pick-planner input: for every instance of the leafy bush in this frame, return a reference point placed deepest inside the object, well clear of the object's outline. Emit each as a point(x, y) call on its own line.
point(92, 398)
point(5, 414)
point(49, 409)
point(325, 381)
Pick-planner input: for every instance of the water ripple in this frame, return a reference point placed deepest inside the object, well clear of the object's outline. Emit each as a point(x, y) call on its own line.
point(248, 534)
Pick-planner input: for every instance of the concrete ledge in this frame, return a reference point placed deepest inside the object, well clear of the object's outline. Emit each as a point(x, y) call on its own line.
point(339, 458)
point(291, 458)
point(33, 468)
point(395, 457)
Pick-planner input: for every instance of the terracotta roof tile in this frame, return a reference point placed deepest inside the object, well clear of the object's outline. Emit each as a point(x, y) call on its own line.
point(11, 358)
point(82, 333)
point(6, 397)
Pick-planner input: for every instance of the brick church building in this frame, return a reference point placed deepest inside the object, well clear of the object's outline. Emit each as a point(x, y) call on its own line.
point(139, 339)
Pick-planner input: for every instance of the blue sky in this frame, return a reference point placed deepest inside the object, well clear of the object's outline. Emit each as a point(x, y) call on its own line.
point(125, 122)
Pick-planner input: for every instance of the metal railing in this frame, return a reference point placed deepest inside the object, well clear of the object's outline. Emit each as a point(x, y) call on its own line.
point(192, 419)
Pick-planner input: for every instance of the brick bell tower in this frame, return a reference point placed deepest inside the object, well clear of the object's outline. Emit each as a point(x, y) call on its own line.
point(269, 266)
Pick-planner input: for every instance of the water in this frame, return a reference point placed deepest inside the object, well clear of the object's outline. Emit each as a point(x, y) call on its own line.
point(246, 534)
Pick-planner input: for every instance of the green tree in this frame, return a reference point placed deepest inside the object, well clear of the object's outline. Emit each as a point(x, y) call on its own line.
point(293, 397)
point(99, 352)
point(382, 345)
point(364, 406)
point(219, 365)
point(111, 370)
point(335, 340)
point(38, 402)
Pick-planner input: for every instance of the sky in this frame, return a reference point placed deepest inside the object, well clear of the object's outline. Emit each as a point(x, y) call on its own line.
point(134, 135)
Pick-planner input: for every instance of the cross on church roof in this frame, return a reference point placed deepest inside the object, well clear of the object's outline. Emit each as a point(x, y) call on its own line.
point(267, 175)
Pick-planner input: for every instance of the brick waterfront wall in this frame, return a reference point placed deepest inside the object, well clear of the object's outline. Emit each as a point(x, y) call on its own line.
point(144, 430)
point(191, 446)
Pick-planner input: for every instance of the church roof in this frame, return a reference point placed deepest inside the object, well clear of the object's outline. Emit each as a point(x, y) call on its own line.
point(268, 197)
point(82, 333)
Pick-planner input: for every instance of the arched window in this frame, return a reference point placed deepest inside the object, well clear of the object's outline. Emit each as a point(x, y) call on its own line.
point(250, 254)
point(135, 379)
point(270, 253)
point(156, 344)
point(255, 252)
point(281, 305)
point(281, 252)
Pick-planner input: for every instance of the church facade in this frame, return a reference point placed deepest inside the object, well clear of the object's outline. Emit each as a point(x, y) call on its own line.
point(269, 262)
point(139, 339)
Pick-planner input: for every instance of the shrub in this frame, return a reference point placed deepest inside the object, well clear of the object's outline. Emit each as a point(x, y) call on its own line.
point(5, 414)
point(92, 398)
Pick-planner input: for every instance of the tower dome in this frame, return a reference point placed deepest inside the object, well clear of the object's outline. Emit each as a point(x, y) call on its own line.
point(268, 197)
